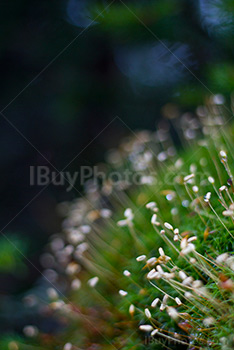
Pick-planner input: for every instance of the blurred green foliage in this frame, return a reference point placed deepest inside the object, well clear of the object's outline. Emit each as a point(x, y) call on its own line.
point(12, 255)
point(117, 66)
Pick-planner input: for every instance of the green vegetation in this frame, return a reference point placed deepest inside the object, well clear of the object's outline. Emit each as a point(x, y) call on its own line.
point(11, 254)
point(150, 265)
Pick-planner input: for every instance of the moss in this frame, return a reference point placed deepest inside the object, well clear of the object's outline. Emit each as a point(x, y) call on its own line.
point(99, 317)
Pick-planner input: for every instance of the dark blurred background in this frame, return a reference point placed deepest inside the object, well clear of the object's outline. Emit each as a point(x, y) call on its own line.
point(68, 68)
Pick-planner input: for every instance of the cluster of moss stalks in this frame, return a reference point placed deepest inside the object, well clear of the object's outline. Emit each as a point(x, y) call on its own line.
point(146, 262)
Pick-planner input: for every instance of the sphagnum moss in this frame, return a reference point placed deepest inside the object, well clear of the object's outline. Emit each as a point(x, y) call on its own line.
point(151, 265)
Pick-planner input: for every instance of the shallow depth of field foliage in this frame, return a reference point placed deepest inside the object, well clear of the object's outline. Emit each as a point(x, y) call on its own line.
point(139, 264)
point(147, 264)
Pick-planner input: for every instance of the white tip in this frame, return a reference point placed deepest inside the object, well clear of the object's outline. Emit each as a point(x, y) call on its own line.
point(154, 219)
point(123, 293)
point(128, 214)
point(76, 284)
point(150, 205)
point(155, 302)
point(147, 313)
point(188, 178)
point(30, 331)
point(193, 238)
point(182, 275)
point(222, 258)
point(189, 249)
point(168, 226)
point(207, 197)
point(141, 258)
point(223, 154)
point(178, 301)
point(152, 274)
point(211, 180)
point(131, 309)
point(127, 273)
point(155, 331)
point(67, 346)
point(52, 293)
point(209, 321)
point(165, 298)
point(172, 312)
point(122, 223)
point(146, 328)
point(161, 252)
point(152, 261)
point(93, 281)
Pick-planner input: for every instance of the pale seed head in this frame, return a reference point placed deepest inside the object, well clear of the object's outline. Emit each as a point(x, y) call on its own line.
point(188, 178)
point(172, 312)
point(131, 309)
point(123, 293)
point(168, 226)
point(147, 313)
point(93, 281)
point(178, 301)
point(146, 328)
point(155, 302)
point(127, 273)
point(211, 180)
point(141, 258)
